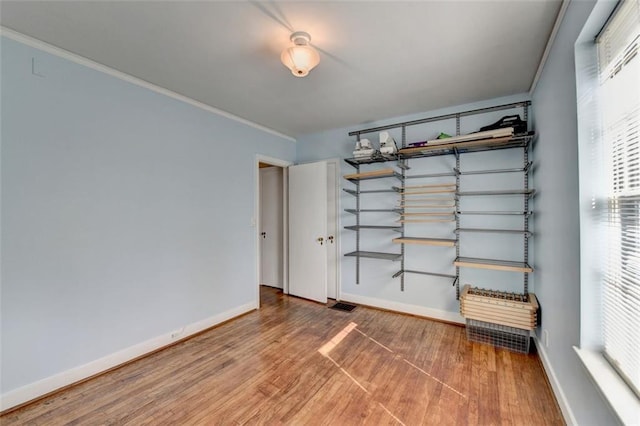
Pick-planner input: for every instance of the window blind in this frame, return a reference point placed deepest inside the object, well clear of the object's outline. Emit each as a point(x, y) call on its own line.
point(619, 105)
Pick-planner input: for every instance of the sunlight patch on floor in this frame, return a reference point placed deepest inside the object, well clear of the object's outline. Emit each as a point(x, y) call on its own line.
point(327, 347)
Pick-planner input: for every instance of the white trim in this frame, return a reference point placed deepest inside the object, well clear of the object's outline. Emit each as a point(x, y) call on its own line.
point(623, 402)
point(547, 49)
point(565, 408)
point(42, 387)
point(404, 308)
point(336, 231)
point(285, 221)
point(285, 230)
point(616, 394)
point(65, 54)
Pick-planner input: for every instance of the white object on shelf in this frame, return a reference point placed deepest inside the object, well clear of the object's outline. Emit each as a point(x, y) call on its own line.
point(387, 144)
point(363, 149)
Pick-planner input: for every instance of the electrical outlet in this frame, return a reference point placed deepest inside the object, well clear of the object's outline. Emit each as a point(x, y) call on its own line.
point(545, 338)
point(176, 333)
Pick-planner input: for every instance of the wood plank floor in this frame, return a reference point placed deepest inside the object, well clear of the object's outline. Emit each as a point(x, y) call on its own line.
point(298, 362)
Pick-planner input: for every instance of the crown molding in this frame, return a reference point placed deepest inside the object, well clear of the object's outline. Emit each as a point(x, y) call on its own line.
point(547, 49)
point(81, 60)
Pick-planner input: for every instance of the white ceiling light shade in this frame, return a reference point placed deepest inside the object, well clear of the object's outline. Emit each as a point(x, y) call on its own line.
point(301, 57)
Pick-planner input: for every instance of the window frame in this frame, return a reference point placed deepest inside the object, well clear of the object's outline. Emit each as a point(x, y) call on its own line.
point(620, 397)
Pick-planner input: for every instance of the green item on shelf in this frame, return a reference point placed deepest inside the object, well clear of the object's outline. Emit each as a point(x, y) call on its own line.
point(443, 135)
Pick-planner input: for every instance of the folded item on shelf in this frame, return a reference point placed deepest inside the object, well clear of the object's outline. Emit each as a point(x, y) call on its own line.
point(489, 134)
point(519, 126)
point(363, 149)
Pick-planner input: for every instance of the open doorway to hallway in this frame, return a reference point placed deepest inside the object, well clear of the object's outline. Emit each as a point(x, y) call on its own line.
point(271, 225)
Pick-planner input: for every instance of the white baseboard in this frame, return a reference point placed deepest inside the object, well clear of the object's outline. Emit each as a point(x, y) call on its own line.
point(403, 308)
point(567, 413)
point(42, 387)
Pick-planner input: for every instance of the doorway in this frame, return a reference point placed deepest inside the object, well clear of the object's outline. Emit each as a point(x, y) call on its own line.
point(272, 225)
point(270, 222)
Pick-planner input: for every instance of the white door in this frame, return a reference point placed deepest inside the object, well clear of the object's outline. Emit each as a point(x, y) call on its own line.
point(271, 226)
point(308, 231)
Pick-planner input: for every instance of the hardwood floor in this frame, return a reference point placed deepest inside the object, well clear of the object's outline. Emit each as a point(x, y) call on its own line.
point(268, 367)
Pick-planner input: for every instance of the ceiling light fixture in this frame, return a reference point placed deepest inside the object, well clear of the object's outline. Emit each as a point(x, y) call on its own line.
point(301, 57)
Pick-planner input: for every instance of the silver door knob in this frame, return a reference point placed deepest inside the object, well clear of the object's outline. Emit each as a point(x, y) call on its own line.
point(264, 234)
point(320, 240)
point(330, 239)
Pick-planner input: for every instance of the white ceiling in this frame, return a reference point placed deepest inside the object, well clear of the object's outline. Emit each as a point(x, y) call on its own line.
point(379, 59)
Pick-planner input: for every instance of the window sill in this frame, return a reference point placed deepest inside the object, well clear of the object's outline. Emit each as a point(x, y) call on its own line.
point(621, 399)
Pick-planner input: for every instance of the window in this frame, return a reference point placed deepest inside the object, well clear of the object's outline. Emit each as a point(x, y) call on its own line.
point(616, 203)
point(608, 101)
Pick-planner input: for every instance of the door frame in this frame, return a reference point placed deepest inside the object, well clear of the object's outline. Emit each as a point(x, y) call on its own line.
point(336, 231)
point(285, 220)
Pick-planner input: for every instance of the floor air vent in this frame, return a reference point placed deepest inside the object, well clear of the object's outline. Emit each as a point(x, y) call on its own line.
point(343, 307)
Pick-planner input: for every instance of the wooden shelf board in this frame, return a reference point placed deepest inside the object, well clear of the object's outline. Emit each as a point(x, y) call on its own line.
point(430, 175)
point(430, 200)
point(495, 231)
point(449, 213)
point(498, 265)
point(427, 206)
point(429, 191)
point(435, 185)
point(371, 174)
point(493, 142)
point(425, 241)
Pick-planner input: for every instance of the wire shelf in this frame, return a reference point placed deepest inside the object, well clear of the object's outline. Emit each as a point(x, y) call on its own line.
point(494, 231)
point(368, 191)
point(358, 227)
point(434, 274)
point(355, 211)
point(527, 192)
point(375, 255)
point(483, 172)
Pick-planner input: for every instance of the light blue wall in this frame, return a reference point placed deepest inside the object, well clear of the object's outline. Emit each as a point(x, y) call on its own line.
point(436, 295)
point(125, 214)
point(557, 247)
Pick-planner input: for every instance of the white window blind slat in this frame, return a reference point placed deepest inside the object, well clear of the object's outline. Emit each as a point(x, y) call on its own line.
point(619, 216)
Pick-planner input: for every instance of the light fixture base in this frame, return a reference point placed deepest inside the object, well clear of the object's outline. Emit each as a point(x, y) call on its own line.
point(300, 38)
